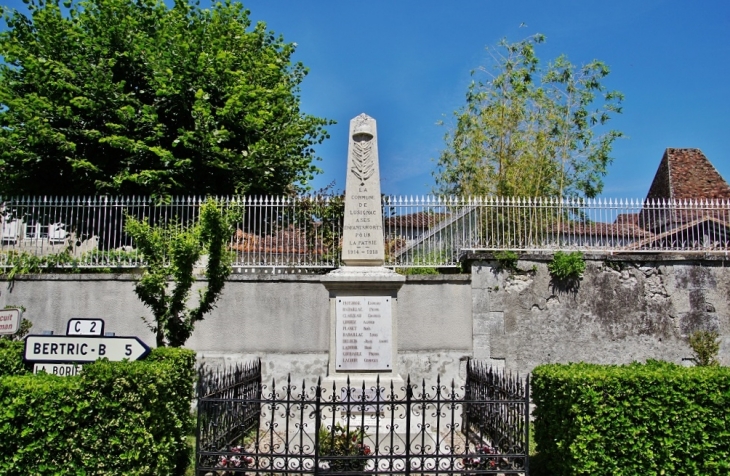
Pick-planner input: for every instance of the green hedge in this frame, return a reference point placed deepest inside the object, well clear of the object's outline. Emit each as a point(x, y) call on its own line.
point(11, 358)
point(640, 419)
point(115, 418)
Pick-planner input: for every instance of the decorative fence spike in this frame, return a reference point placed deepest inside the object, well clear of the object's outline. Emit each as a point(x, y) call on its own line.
point(300, 232)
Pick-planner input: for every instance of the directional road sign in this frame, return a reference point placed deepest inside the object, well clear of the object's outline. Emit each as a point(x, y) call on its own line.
point(58, 369)
point(85, 327)
point(43, 348)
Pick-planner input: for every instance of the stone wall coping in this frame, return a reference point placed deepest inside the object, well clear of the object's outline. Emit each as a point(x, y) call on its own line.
point(234, 277)
point(438, 278)
point(643, 256)
point(133, 276)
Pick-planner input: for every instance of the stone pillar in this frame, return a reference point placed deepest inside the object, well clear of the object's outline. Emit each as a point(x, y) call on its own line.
point(363, 294)
point(487, 313)
point(362, 234)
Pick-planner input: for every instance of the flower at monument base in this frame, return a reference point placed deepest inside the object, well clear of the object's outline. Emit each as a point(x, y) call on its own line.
point(482, 462)
point(342, 449)
point(235, 461)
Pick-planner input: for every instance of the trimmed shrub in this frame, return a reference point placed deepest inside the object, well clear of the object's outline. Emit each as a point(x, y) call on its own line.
point(127, 418)
point(649, 419)
point(11, 358)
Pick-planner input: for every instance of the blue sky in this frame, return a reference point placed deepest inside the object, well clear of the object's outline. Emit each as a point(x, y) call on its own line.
point(407, 64)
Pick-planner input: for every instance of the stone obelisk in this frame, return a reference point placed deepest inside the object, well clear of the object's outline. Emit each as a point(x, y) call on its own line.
point(362, 235)
point(363, 293)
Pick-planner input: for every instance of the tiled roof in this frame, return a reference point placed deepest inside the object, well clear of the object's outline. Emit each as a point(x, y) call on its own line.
point(284, 241)
point(415, 220)
point(690, 234)
point(617, 229)
point(687, 174)
point(627, 218)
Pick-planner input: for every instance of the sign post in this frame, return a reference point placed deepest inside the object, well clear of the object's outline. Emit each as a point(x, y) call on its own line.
point(85, 342)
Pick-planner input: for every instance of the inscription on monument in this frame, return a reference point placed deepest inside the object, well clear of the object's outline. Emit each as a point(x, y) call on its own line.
point(364, 333)
point(363, 225)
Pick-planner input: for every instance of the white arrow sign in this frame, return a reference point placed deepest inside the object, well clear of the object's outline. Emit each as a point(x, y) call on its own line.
point(83, 349)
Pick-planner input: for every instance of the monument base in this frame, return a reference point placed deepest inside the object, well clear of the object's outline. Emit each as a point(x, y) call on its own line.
point(363, 315)
point(384, 420)
point(363, 273)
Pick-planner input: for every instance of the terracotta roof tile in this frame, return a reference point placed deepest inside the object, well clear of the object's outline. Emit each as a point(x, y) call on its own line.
point(617, 230)
point(283, 242)
point(627, 218)
point(687, 174)
point(420, 220)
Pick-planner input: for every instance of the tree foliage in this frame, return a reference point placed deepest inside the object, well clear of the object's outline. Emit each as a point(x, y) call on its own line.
point(321, 215)
point(706, 346)
point(135, 97)
point(529, 131)
point(171, 252)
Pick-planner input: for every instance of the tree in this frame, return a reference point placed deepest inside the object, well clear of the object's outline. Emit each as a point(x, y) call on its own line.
point(531, 132)
point(133, 97)
point(706, 347)
point(171, 252)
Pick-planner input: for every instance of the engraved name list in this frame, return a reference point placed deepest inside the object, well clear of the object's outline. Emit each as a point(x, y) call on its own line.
point(363, 333)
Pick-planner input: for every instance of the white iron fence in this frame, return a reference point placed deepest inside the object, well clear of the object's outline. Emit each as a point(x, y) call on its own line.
point(305, 232)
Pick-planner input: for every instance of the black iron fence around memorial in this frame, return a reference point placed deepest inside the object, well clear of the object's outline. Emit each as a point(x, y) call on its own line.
point(343, 427)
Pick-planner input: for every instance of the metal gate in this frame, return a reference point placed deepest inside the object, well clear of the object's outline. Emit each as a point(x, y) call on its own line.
point(245, 427)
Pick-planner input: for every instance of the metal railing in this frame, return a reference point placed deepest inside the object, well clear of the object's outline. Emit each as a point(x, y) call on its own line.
point(380, 427)
point(487, 412)
point(89, 232)
point(305, 232)
point(223, 419)
point(614, 226)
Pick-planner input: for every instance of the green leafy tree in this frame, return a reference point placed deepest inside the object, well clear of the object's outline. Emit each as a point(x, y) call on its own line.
point(529, 131)
point(171, 252)
point(135, 97)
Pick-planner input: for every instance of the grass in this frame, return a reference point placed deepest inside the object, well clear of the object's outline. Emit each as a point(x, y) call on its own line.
point(537, 466)
point(191, 468)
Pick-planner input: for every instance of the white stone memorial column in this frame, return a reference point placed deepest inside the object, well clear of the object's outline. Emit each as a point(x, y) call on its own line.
point(363, 293)
point(364, 297)
point(362, 234)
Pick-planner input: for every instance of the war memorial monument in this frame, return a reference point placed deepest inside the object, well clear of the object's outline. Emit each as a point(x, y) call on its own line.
point(363, 293)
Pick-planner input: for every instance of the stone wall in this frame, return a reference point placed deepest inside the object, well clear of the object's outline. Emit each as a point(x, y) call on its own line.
point(621, 311)
point(282, 319)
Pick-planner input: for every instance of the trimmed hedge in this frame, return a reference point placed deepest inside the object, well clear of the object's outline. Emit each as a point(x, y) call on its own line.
point(640, 419)
point(116, 418)
point(11, 358)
